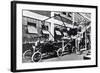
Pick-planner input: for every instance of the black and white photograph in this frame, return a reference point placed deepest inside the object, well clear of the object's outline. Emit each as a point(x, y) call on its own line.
point(53, 36)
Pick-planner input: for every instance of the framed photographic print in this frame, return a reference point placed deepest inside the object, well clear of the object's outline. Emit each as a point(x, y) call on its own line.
point(47, 36)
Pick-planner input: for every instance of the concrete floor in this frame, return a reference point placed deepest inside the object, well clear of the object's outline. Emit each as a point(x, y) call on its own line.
point(65, 58)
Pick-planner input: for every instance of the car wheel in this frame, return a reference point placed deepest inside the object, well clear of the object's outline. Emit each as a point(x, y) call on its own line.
point(27, 55)
point(59, 52)
point(36, 57)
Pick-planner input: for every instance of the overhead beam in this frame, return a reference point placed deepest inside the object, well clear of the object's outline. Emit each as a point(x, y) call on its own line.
point(85, 16)
point(42, 17)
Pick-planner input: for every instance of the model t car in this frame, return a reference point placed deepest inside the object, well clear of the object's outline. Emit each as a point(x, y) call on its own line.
point(38, 50)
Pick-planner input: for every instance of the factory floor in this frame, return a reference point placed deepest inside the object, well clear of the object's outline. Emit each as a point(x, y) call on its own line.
point(66, 57)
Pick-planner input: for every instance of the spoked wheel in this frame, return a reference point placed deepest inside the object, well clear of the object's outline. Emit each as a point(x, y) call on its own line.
point(27, 55)
point(36, 57)
point(59, 52)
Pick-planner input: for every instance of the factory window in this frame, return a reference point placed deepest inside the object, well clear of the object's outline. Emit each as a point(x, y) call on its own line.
point(32, 28)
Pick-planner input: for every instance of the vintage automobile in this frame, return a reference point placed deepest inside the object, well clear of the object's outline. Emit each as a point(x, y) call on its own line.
point(37, 51)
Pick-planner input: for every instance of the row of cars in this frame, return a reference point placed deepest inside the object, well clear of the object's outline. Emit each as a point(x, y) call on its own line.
point(37, 50)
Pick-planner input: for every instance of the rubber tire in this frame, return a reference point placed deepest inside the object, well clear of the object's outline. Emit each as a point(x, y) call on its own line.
point(59, 52)
point(34, 55)
point(26, 52)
